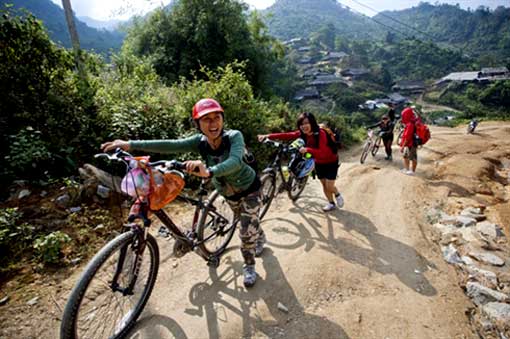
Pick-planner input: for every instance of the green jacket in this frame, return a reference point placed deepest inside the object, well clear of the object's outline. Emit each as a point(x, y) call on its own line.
point(231, 174)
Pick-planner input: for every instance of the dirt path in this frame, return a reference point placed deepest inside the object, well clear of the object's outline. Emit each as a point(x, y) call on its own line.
point(368, 270)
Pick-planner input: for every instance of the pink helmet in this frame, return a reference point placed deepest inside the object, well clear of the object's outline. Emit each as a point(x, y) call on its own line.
point(204, 107)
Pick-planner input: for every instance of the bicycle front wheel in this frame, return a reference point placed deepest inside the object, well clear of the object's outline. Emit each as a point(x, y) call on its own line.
point(364, 153)
point(113, 290)
point(216, 226)
point(268, 190)
point(296, 187)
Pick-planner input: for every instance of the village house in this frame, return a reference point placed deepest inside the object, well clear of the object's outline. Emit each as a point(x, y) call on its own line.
point(307, 94)
point(354, 73)
point(409, 86)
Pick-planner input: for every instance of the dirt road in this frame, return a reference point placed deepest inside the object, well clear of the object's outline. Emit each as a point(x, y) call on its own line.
point(368, 270)
point(365, 271)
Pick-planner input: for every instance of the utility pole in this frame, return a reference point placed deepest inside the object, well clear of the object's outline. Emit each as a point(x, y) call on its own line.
point(73, 33)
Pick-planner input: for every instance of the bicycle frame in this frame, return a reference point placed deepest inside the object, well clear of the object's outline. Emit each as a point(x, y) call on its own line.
point(276, 166)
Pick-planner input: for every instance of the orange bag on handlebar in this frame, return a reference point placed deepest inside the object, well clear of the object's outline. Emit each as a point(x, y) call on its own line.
point(164, 188)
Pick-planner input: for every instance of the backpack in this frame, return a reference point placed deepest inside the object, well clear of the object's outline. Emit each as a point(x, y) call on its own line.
point(421, 133)
point(248, 156)
point(333, 135)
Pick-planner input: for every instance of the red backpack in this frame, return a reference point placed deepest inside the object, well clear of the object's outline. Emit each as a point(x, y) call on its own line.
point(421, 133)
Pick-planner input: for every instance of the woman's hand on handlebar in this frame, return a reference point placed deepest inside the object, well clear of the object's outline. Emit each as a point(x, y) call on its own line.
point(112, 145)
point(261, 137)
point(197, 167)
point(303, 150)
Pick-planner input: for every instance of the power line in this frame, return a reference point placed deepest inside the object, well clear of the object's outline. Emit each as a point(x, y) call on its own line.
point(397, 21)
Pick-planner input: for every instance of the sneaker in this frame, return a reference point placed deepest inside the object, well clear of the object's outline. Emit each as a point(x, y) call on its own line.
point(409, 172)
point(259, 245)
point(403, 170)
point(250, 276)
point(329, 207)
point(339, 200)
point(388, 157)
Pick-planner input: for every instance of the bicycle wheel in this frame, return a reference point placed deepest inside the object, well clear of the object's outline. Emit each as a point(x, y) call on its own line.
point(268, 190)
point(364, 153)
point(376, 146)
point(296, 187)
point(216, 228)
point(98, 306)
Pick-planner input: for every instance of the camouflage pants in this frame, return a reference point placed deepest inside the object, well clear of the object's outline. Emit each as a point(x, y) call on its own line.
point(248, 210)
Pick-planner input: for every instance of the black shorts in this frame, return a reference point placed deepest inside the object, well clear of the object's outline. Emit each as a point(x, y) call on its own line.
point(327, 171)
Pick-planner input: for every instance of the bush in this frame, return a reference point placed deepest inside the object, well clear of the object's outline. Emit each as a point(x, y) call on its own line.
point(14, 237)
point(49, 248)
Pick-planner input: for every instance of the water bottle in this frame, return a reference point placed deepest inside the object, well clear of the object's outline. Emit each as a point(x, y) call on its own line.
point(285, 171)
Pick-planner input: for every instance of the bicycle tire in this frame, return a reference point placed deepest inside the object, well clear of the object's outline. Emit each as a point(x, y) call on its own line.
point(364, 153)
point(268, 191)
point(222, 230)
point(296, 187)
point(78, 303)
point(376, 146)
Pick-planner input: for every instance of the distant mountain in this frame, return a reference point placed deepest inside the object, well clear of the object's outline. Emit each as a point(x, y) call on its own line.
point(477, 32)
point(110, 25)
point(100, 41)
point(287, 19)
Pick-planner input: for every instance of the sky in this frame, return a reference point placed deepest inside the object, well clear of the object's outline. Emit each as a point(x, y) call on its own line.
point(123, 9)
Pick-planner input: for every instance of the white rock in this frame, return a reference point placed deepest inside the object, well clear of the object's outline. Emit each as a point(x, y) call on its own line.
point(466, 221)
point(467, 260)
point(449, 220)
point(487, 258)
point(451, 255)
point(282, 307)
point(497, 311)
point(23, 194)
point(487, 229)
point(482, 295)
point(486, 278)
point(33, 301)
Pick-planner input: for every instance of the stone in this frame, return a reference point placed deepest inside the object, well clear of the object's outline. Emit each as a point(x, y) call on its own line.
point(467, 260)
point(103, 191)
point(449, 220)
point(471, 210)
point(487, 229)
point(496, 311)
point(282, 307)
point(33, 301)
point(482, 295)
point(75, 209)
point(63, 201)
point(467, 233)
point(23, 193)
point(487, 258)
point(486, 278)
point(466, 221)
point(445, 228)
point(75, 261)
point(451, 255)
point(99, 227)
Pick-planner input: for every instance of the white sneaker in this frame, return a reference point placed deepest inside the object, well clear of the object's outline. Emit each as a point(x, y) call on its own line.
point(339, 200)
point(409, 172)
point(329, 207)
point(403, 170)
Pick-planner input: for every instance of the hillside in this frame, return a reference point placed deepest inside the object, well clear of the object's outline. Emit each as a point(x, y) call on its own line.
point(289, 19)
point(477, 32)
point(54, 20)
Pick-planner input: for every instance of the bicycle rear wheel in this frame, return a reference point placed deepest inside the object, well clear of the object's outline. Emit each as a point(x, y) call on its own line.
point(268, 190)
point(364, 153)
point(216, 227)
point(101, 304)
point(296, 187)
point(376, 146)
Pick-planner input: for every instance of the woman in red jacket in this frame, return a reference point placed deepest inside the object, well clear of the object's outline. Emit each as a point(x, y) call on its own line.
point(326, 160)
point(407, 146)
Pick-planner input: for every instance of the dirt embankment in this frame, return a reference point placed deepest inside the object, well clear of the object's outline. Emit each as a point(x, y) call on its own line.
point(369, 270)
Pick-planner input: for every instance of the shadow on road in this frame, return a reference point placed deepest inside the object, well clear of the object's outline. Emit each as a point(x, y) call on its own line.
point(157, 326)
point(223, 293)
point(379, 253)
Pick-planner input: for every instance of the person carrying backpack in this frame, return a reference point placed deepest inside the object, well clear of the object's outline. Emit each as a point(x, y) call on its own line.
point(326, 158)
point(224, 164)
point(407, 145)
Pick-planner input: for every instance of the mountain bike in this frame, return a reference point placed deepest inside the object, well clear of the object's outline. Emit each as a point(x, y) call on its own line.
point(293, 176)
point(471, 126)
point(117, 283)
point(371, 145)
